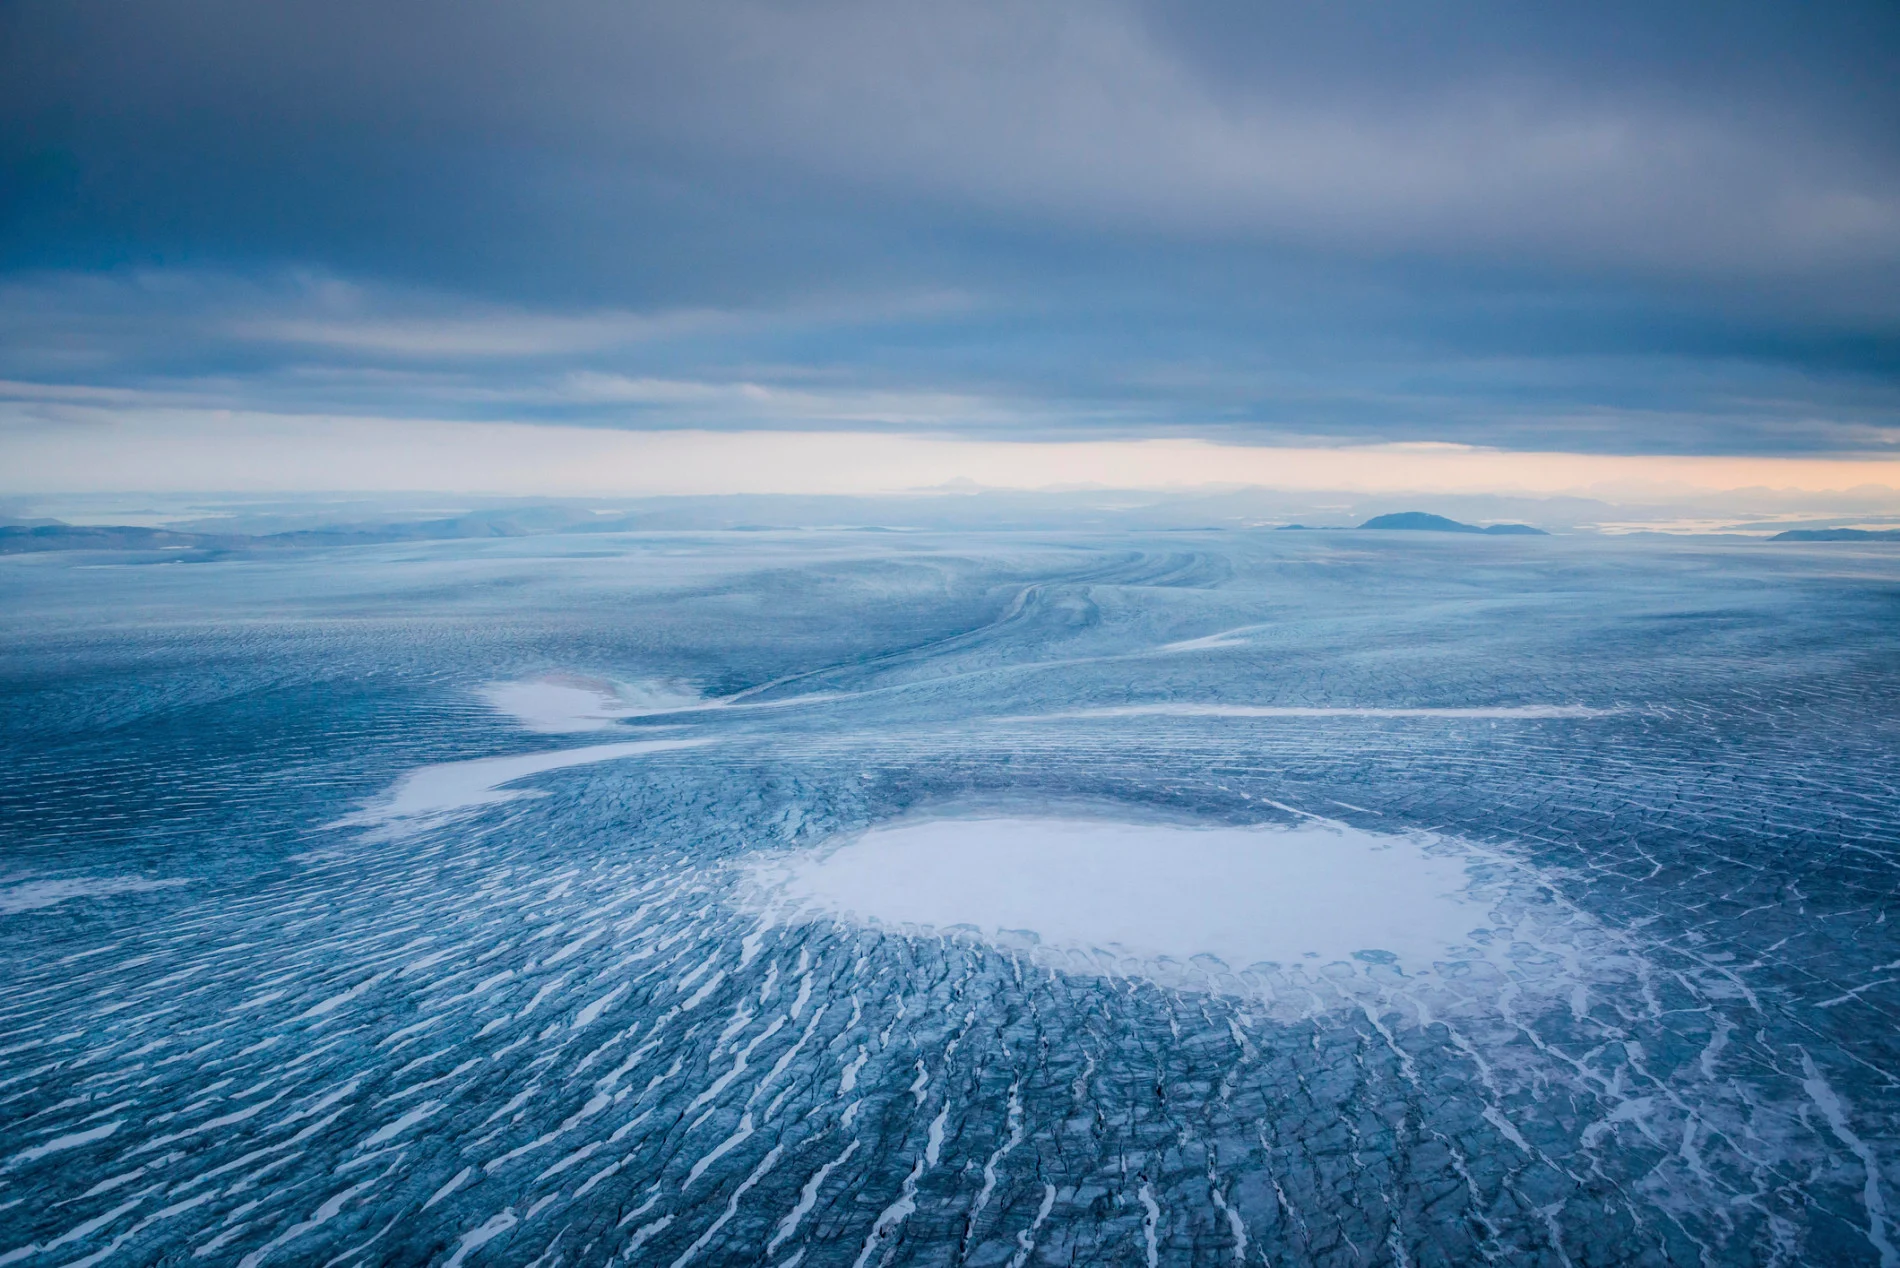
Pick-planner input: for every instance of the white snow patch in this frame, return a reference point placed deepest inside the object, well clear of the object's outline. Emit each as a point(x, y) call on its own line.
point(808, 1198)
point(432, 792)
point(562, 704)
point(61, 1143)
point(32, 895)
point(1226, 638)
point(1311, 894)
point(460, 1178)
point(476, 1238)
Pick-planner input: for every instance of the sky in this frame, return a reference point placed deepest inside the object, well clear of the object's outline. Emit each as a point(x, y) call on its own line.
point(732, 246)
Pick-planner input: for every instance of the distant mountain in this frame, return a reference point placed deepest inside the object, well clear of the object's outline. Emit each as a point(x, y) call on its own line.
point(20, 538)
point(1423, 522)
point(1838, 535)
point(202, 540)
point(17, 538)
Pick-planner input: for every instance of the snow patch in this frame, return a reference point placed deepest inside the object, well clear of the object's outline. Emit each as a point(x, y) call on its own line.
point(563, 704)
point(1305, 895)
point(431, 793)
point(32, 895)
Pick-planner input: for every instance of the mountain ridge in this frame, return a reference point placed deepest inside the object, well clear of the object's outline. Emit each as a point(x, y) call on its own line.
point(1426, 522)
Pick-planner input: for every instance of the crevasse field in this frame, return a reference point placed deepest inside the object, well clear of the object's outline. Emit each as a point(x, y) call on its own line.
point(856, 898)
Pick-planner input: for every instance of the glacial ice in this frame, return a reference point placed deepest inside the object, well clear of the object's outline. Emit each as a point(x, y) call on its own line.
point(1593, 845)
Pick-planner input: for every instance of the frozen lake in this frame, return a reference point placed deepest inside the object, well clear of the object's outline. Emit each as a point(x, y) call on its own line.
point(837, 898)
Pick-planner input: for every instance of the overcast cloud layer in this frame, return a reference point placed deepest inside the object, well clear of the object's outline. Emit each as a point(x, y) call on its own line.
point(1634, 229)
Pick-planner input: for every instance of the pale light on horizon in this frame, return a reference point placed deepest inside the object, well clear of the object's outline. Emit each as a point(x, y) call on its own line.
point(165, 452)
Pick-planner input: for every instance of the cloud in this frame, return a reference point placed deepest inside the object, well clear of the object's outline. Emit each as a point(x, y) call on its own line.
point(1471, 370)
point(495, 335)
point(1079, 114)
point(1475, 134)
point(1638, 228)
point(686, 402)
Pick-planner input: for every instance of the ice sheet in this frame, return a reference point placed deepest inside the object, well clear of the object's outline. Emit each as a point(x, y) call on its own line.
point(1243, 895)
point(1685, 995)
point(1493, 712)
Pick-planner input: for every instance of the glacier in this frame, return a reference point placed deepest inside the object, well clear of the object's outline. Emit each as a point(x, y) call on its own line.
point(824, 897)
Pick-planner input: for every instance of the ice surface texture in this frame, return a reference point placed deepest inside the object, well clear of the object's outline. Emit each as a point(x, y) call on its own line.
point(443, 984)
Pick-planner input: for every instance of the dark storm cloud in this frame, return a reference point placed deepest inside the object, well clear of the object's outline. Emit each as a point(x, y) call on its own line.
point(1632, 227)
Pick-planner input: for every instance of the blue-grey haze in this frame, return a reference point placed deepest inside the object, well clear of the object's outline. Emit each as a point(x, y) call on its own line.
point(556, 1028)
